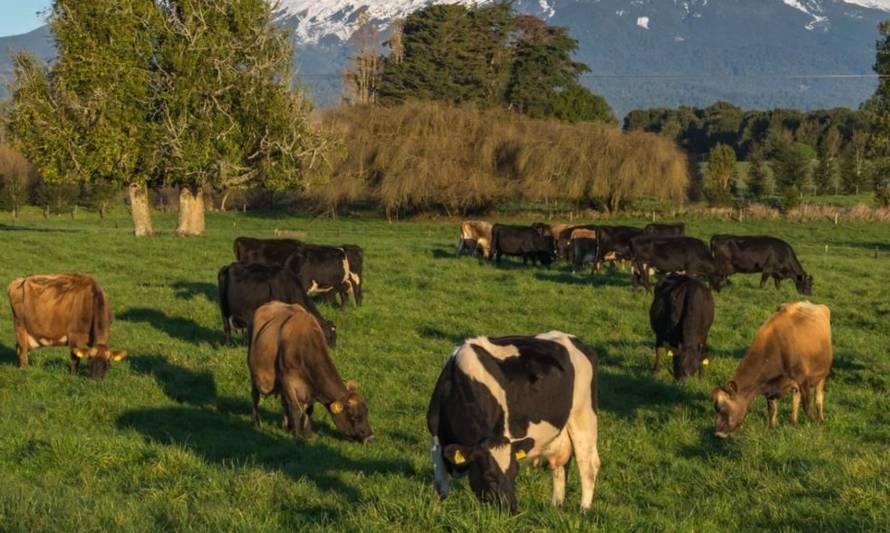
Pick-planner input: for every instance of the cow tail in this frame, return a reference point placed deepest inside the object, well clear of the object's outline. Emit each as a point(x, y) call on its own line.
point(223, 282)
point(443, 385)
point(101, 317)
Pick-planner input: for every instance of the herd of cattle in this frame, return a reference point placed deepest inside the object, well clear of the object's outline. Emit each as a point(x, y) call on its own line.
point(498, 400)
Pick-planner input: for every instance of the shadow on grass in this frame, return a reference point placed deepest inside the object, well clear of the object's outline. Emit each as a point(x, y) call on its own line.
point(623, 394)
point(178, 383)
point(8, 355)
point(7, 227)
point(229, 440)
point(882, 247)
point(432, 332)
point(189, 290)
point(177, 327)
point(596, 280)
point(709, 445)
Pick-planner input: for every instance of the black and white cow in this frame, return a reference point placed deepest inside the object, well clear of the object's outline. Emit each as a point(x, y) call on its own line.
point(500, 400)
point(325, 270)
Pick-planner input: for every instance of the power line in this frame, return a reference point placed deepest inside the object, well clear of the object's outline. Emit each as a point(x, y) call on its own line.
point(699, 77)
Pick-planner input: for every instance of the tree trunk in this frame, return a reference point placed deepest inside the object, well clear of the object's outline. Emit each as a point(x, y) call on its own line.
point(222, 203)
point(191, 212)
point(140, 210)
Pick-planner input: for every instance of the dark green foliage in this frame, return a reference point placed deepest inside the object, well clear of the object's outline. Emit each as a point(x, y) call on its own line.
point(879, 107)
point(489, 56)
point(56, 197)
point(720, 175)
point(760, 179)
point(792, 167)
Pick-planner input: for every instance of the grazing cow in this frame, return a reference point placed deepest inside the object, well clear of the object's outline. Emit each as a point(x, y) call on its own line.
point(583, 250)
point(356, 257)
point(265, 251)
point(670, 254)
point(535, 243)
point(64, 310)
point(681, 315)
point(243, 288)
point(665, 230)
point(475, 238)
point(792, 350)
point(614, 242)
point(563, 239)
point(288, 356)
point(325, 270)
point(770, 256)
point(499, 400)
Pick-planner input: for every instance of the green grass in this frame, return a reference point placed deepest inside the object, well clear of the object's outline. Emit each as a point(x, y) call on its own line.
point(165, 442)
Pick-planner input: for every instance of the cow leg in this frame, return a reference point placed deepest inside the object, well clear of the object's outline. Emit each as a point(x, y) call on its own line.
point(777, 280)
point(583, 434)
point(306, 421)
point(296, 407)
point(255, 398)
point(820, 401)
point(73, 364)
point(763, 277)
point(807, 404)
point(22, 344)
point(659, 350)
point(357, 287)
point(559, 484)
point(227, 330)
point(795, 404)
point(773, 407)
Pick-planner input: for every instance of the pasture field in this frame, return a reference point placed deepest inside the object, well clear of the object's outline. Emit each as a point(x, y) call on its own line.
point(164, 442)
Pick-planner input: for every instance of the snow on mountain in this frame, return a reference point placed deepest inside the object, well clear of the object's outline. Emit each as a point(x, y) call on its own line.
point(883, 5)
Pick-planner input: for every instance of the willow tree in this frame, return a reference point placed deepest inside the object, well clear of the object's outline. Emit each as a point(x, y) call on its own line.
point(230, 110)
point(89, 117)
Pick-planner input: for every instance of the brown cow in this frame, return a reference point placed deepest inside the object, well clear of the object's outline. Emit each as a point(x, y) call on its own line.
point(475, 237)
point(792, 350)
point(288, 356)
point(63, 310)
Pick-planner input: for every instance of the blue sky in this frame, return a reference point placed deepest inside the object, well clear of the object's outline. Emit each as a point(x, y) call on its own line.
point(20, 16)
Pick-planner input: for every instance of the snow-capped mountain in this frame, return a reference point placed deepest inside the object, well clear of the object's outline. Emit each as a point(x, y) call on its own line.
point(642, 53)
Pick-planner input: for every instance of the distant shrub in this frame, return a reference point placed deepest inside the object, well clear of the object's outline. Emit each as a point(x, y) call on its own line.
point(16, 179)
point(422, 156)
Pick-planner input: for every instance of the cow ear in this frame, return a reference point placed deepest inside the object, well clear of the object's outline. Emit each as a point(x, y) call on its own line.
point(522, 447)
point(731, 388)
point(351, 386)
point(118, 355)
point(458, 455)
point(80, 353)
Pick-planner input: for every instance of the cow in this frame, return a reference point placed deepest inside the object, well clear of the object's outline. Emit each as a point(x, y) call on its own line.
point(681, 315)
point(499, 400)
point(243, 288)
point(533, 243)
point(265, 251)
point(475, 238)
point(614, 242)
point(64, 310)
point(670, 254)
point(356, 257)
point(791, 350)
point(677, 229)
point(564, 238)
point(770, 256)
point(289, 356)
point(326, 270)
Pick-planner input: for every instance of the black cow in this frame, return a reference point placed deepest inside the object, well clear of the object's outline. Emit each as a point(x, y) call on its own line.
point(614, 242)
point(583, 251)
point(564, 240)
point(325, 270)
point(770, 256)
point(243, 288)
point(681, 315)
point(265, 251)
point(535, 243)
point(670, 254)
point(500, 400)
point(665, 230)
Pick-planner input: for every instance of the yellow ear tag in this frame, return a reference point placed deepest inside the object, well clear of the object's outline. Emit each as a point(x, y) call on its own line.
point(520, 455)
point(336, 408)
point(706, 362)
point(459, 458)
point(670, 353)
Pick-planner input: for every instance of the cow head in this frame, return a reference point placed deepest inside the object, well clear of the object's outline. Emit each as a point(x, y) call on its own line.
point(492, 466)
point(730, 407)
point(350, 415)
point(804, 283)
point(99, 358)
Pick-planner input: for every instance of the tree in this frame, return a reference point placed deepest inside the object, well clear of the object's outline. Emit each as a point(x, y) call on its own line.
point(542, 67)
point(228, 106)
point(88, 119)
point(16, 176)
point(361, 79)
point(720, 175)
point(854, 165)
point(792, 169)
point(879, 106)
point(578, 104)
point(760, 181)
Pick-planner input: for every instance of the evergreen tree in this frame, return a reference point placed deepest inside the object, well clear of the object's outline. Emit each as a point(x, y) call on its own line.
point(760, 181)
point(578, 104)
point(720, 175)
point(879, 138)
